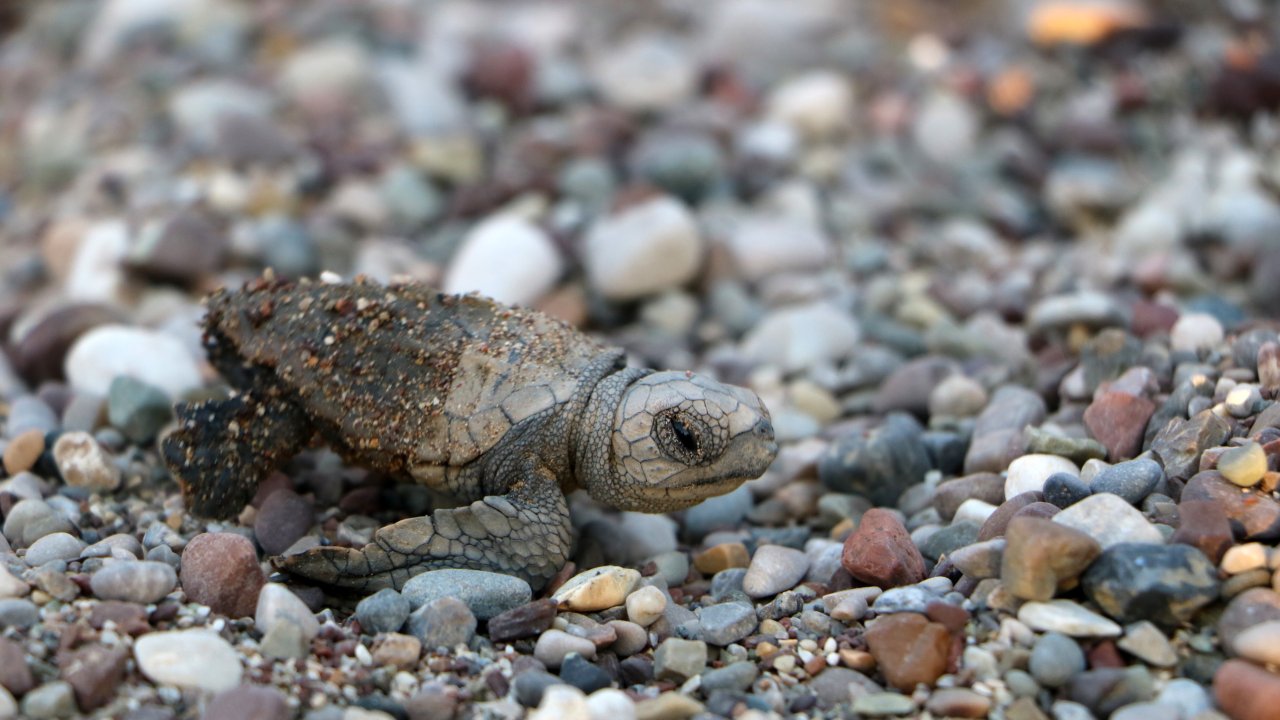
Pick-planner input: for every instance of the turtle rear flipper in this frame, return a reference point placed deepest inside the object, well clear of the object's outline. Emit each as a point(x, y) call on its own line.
point(525, 533)
point(222, 449)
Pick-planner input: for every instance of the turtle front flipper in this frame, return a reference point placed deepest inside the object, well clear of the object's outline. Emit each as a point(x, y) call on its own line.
point(525, 533)
point(223, 448)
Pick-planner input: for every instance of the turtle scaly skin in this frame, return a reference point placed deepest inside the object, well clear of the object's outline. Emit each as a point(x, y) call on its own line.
point(502, 408)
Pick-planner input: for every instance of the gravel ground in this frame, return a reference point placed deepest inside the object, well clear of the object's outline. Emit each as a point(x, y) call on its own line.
point(1005, 276)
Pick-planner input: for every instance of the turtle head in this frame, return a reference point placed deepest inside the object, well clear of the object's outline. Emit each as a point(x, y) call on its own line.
point(679, 438)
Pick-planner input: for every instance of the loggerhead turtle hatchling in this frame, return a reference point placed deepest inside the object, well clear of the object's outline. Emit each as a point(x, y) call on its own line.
point(500, 407)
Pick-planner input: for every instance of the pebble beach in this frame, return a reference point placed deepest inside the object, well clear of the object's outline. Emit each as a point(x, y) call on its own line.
point(1006, 274)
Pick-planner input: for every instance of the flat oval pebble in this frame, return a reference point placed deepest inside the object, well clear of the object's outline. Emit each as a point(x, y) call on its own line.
point(597, 589)
point(554, 645)
point(198, 659)
point(55, 546)
point(485, 593)
point(1068, 618)
point(140, 581)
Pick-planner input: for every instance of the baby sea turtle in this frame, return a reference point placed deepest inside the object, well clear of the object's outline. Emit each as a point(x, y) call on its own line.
point(503, 408)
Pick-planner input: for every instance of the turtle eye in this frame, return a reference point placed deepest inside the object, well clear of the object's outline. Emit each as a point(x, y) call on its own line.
point(684, 435)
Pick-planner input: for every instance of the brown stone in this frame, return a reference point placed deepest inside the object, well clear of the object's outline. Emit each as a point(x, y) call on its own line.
point(94, 672)
point(1253, 515)
point(283, 519)
point(909, 649)
point(221, 570)
point(952, 617)
point(958, 703)
point(996, 523)
point(1119, 420)
point(722, 557)
point(15, 676)
point(880, 552)
point(984, 486)
point(524, 621)
point(1152, 317)
point(128, 617)
point(1203, 525)
point(248, 702)
point(1245, 691)
point(22, 452)
point(1042, 557)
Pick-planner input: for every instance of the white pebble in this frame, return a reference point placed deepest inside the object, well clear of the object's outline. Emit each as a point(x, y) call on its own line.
point(108, 351)
point(645, 249)
point(610, 704)
point(816, 104)
point(506, 258)
point(1028, 473)
point(198, 659)
point(1195, 331)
